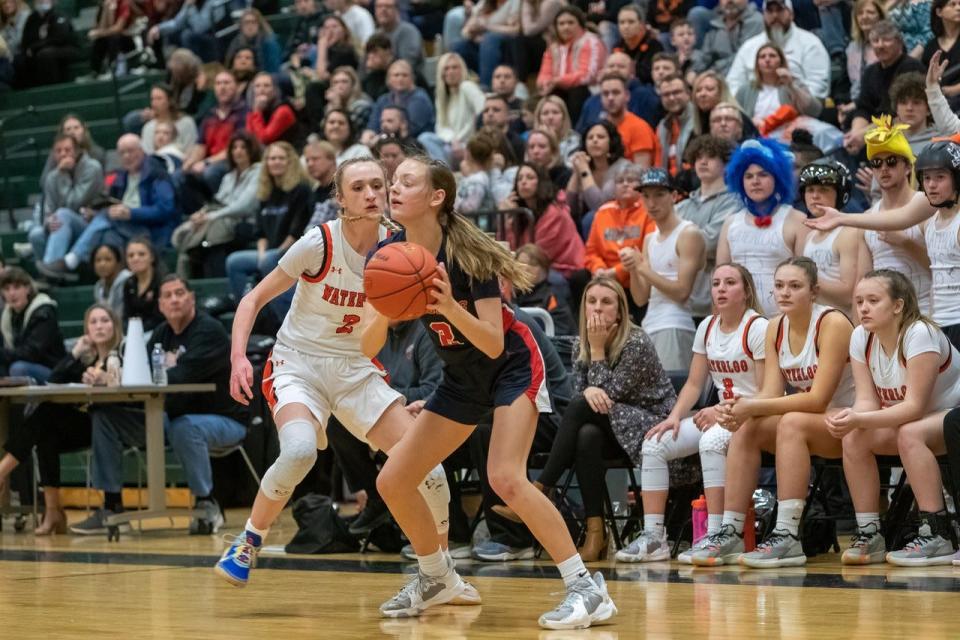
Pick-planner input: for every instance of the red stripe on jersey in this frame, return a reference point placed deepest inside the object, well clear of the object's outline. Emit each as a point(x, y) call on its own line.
point(327, 257)
point(536, 360)
point(266, 386)
point(746, 334)
point(379, 365)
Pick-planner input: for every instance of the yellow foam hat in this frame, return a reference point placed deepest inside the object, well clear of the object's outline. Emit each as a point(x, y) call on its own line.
point(884, 138)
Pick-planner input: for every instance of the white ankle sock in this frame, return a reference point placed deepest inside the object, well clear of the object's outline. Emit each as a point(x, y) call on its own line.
point(866, 519)
point(435, 564)
point(260, 532)
point(735, 519)
point(653, 524)
point(572, 569)
point(72, 262)
point(714, 520)
point(788, 515)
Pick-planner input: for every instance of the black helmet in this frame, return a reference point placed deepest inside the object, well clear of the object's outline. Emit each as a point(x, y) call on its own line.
point(943, 154)
point(827, 172)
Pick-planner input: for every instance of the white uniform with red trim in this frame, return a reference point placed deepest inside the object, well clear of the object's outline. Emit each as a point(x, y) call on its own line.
point(317, 359)
point(799, 370)
point(731, 356)
point(890, 372)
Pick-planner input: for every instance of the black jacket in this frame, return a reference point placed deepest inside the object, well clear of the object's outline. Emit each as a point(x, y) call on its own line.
point(875, 84)
point(284, 213)
point(46, 30)
point(32, 335)
point(144, 306)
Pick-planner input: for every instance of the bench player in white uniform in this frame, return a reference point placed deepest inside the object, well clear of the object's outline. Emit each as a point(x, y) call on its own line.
point(729, 349)
point(766, 231)
point(317, 368)
point(665, 275)
point(907, 377)
point(806, 348)
point(826, 182)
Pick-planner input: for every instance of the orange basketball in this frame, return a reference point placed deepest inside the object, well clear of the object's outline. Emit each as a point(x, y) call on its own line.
point(398, 279)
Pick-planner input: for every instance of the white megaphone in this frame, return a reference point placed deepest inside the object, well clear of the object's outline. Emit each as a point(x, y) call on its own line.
point(136, 368)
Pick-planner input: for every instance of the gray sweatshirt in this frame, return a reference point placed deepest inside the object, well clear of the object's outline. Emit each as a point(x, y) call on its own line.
point(72, 189)
point(238, 194)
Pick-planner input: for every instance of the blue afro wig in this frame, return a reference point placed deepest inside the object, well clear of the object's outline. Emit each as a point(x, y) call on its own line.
point(776, 159)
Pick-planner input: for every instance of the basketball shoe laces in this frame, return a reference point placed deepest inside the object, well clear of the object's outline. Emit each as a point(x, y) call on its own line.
point(920, 540)
point(582, 588)
point(245, 553)
point(862, 538)
point(776, 537)
point(716, 540)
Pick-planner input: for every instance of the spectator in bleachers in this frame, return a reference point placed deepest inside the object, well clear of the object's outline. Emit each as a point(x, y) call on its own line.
point(913, 21)
point(806, 56)
point(551, 114)
point(892, 60)
point(346, 93)
point(637, 40)
point(257, 34)
point(147, 206)
point(72, 186)
point(31, 339)
point(475, 191)
point(552, 229)
point(727, 122)
point(338, 130)
point(357, 17)
point(664, 65)
point(203, 240)
point(732, 23)
point(458, 103)
point(378, 56)
point(643, 101)
point(394, 122)
point(197, 350)
point(58, 428)
point(165, 109)
point(676, 128)
point(536, 18)
point(109, 266)
point(47, 47)
point(334, 49)
point(271, 119)
point(243, 66)
point(683, 40)
point(595, 165)
point(866, 14)
point(421, 115)
point(496, 117)
point(404, 37)
point(306, 30)
point(572, 64)
point(390, 151)
point(76, 128)
point(193, 28)
point(709, 90)
point(542, 294)
point(909, 99)
point(506, 85)
point(640, 143)
point(109, 36)
point(142, 288)
point(320, 159)
point(284, 193)
point(489, 34)
point(13, 19)
point(543, 151)
point(166, 147)
point(187, 84)
point(945, 23)
point(774, 86)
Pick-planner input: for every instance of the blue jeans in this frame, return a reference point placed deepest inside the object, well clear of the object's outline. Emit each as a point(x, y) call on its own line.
point(53, 246)
point(832, 28)
point(24, 369)
point(453, 23)
point(435, 147)
point(699, 18)
point(191, 436)
point(242, 265)
point(486, 56)
point(103, 230)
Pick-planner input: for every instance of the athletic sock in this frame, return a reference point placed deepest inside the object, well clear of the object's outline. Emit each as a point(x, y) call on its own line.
point(788, 515)
point(735, 519)
point(864, 520)
point(113, 501)
point(260, 532)
point(435, 564)
point(653, 524)
point(714, 520)
point(572, 569)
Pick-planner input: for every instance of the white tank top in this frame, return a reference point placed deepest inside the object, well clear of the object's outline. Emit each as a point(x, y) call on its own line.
point(732, 356)
point(888, 256)
point(800, 370)
point(944, 251)
point(889, 373)
point(324, 317)
point(823, 253)
point(760, 250)
point(662, 312)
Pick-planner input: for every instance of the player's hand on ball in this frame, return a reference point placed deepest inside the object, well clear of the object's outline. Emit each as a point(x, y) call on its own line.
point(241, 381)
point(443, 301)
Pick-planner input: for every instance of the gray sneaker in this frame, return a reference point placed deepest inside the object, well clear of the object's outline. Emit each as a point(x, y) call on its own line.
point(780, 549)
point(686, 557)
point(867, 547)
point(96, 524)
point(211, 521)
point(493, 551)
point(646, 547)
point(723, 547)
point(423, 592)
point(587, 602)
point(925, 550)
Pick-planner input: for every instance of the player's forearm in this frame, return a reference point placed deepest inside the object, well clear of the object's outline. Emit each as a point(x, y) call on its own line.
point(482, 334)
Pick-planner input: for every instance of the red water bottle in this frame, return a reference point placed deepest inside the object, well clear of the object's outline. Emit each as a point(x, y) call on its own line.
point(698, 515)
point(749, 531)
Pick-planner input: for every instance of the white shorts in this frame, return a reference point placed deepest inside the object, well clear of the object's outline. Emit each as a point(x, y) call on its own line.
point(354, 390)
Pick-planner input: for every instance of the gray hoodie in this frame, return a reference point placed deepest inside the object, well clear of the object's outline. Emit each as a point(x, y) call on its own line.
point(720, 44)
point(72, 189)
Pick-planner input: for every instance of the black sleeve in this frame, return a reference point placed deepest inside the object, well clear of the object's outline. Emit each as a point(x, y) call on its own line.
point(868, 104)
point(298, 213)
point(41, 341)
point(69, 369)
point(60, 33)
point(207, 348)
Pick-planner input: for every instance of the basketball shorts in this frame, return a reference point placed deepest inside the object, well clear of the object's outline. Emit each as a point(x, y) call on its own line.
point(469, 392)
point(354, 390)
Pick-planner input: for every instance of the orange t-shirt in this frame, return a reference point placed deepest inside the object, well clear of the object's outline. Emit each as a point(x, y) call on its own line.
point(613, 228)
point(638, 137)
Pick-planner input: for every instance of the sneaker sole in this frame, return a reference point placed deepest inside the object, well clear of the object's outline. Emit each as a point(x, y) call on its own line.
point(921, 562)
point(754, 563)
point(626, 557)
point(604, 612)
point(505, 557)
point(873, 558)
point(416, 612)
point(229, 578)
point(122, 528)
point(719, 561)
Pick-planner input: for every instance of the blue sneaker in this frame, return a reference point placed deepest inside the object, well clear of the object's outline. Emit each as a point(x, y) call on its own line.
point(239, 558)
point(492, 551)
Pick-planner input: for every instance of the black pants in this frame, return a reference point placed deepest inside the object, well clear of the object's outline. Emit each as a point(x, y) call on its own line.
point(54, 429)
point(47, 66)
point(585, 439)
point(107, 49)
point(951, 433)
point(574, 97)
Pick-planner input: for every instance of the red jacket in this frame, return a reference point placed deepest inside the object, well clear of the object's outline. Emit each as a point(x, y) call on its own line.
point(556, 233)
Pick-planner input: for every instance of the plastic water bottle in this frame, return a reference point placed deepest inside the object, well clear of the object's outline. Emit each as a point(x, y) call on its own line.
point(113, 369)
point(121, 66)
point(158, 359)
point(699, 518)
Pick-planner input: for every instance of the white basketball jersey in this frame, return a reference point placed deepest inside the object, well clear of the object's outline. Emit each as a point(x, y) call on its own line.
point(888, 256)
point(944, 251)
point(324, 318)
point(732, 356)
point(662, 312)
point(889, 373)
point(800, 370)
point(760, 250)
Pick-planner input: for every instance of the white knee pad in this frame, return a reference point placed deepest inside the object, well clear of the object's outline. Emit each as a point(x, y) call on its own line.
point(713, 456)
point(298, 452)
point(654, 475)
point(436, 493)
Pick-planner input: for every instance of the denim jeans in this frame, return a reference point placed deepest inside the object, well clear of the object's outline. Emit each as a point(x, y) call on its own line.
point(699, 18)
point(191, 437)
point(242, 265)
point(453, 23)
point(435, 147)
point(103, 230)
point(52, 246)
point(832, 29)
point(485, 56)
point(24, 369)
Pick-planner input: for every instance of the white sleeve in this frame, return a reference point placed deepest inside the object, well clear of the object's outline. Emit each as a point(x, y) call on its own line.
point(306, 255)
point(921, 338)
point(738, 75)
point(757, 338)
point(858, 345)
point(816, 68)
point(700, 338)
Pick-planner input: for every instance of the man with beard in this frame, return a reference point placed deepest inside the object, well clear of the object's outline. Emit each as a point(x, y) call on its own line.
point(807, 58)
point(732, 22)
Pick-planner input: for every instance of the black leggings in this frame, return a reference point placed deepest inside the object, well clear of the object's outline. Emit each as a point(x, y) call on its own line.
point(54, 429)
point(951, 433)
point(584, 440)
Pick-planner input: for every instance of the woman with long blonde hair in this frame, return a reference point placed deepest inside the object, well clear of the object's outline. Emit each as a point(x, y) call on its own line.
point(491, 364)
point(551, 114)
point(458, 102)
point(709, 89)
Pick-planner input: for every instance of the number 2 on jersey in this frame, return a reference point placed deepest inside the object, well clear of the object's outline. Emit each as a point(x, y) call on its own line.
point(445, 333)
point(349, 319)
point(727, 393)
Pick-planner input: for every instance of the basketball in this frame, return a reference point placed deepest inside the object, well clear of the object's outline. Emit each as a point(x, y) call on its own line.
point(398, 279)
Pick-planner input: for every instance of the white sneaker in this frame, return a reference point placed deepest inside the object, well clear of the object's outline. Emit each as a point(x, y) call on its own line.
point(423, 592)
point(956, 559)
point(587, 603)
point(646, 547)
point(470, 596)
point(867, 547)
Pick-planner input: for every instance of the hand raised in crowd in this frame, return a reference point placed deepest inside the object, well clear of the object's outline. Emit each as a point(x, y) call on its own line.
point(865, 179)
point(936, 68)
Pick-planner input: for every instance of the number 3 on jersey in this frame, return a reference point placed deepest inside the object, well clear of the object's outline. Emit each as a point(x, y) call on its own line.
point(727, 393)
point(445, 333)
point(349, 320)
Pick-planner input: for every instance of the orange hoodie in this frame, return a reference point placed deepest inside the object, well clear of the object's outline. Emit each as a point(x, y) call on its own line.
point(613, 228)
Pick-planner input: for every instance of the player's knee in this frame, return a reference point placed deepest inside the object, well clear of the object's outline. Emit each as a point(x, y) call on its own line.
point(298, 453)
point(714, 442)
point(654, 449)
point(505, 482)
point(791, 427)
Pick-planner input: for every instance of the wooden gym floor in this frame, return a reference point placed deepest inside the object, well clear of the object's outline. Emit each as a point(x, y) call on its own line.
point(160, 584)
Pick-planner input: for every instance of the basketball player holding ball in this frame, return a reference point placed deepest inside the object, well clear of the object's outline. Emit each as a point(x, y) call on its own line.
point(317, 369)
point(491, 363)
